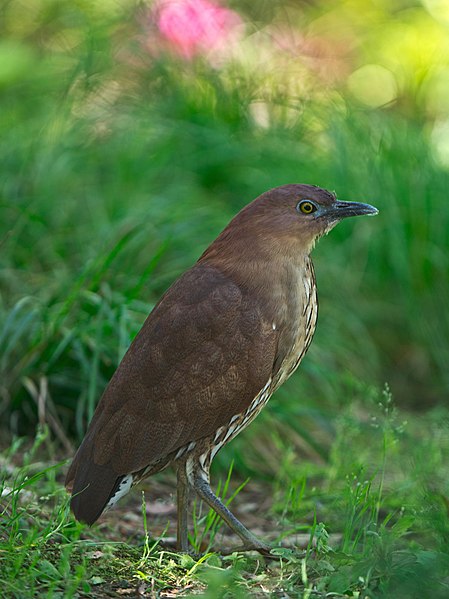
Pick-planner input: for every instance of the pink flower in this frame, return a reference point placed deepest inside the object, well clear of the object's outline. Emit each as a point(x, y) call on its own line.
point(195, 27)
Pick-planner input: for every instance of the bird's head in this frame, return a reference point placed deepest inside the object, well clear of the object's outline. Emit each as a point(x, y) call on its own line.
point(302, 212)
point(290, 218)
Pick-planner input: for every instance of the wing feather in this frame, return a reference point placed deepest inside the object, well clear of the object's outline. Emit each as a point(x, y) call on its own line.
point(201, 357)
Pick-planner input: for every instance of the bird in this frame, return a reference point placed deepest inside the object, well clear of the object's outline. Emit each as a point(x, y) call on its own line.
point(217, 345)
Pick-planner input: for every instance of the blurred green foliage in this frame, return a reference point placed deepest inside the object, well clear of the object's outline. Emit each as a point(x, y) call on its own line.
point(121, 161)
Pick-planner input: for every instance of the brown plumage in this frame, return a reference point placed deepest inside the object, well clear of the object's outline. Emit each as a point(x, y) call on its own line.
point(220, 341)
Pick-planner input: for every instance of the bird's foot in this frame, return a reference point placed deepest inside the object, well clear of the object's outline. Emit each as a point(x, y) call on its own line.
point(262, 548)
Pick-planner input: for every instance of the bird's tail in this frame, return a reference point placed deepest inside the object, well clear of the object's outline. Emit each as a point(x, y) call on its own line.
point(92, 487)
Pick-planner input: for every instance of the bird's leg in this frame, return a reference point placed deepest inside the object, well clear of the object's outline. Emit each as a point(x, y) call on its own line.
point(183, 504)
point(250, 541)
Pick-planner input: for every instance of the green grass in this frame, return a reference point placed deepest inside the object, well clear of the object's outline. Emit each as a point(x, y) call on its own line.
point(92, 240)
point(372, 522)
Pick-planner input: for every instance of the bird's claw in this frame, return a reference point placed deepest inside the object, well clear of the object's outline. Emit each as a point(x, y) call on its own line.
point(263, 549)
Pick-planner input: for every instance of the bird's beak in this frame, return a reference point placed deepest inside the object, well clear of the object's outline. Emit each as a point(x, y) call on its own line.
point(343, 209)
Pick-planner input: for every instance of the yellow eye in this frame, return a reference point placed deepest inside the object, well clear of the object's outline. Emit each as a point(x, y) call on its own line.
point(306, 207)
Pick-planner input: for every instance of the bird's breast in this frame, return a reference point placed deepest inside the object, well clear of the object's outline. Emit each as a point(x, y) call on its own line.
point(297, 320)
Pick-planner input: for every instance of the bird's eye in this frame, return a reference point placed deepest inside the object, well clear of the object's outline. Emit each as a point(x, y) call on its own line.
point(306, 207)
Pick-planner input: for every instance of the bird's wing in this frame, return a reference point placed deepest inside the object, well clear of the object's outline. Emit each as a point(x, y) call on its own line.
point(201, 357)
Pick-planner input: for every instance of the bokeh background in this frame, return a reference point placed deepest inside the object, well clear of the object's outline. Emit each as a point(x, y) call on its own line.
point(130, 133)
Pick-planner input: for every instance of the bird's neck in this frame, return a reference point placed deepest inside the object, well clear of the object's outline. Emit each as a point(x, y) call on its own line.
point(264, 254)
point(269, 269)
